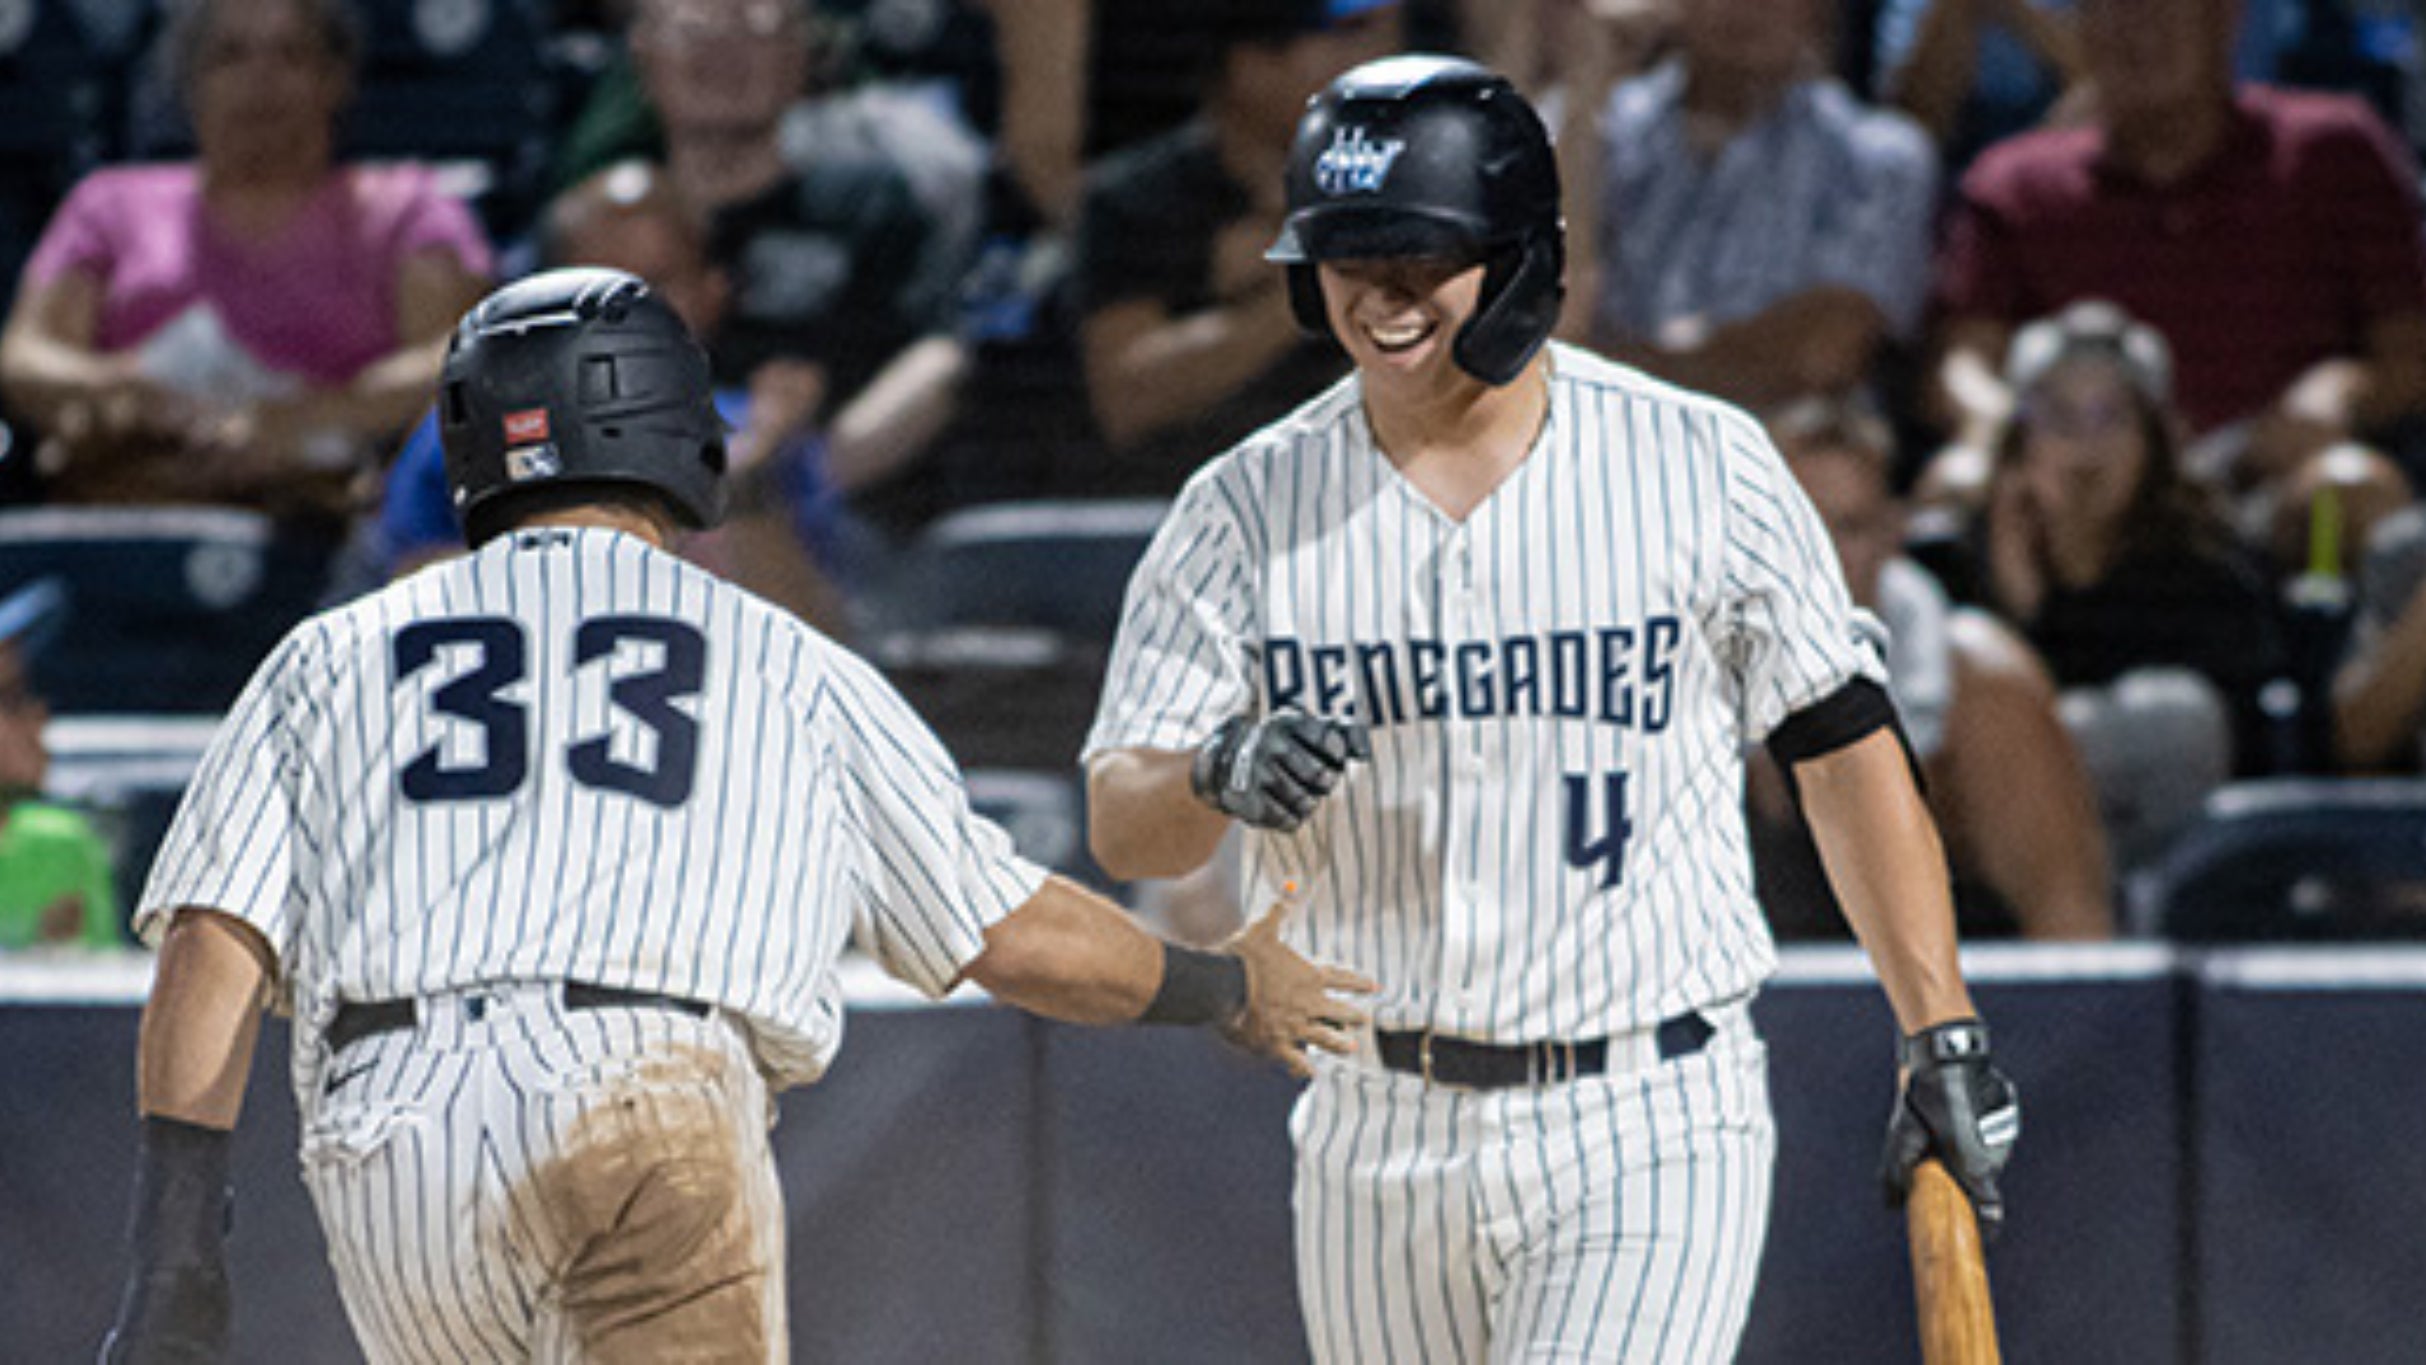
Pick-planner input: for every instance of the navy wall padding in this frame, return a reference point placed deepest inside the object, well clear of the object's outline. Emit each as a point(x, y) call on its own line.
point(2312, 1190)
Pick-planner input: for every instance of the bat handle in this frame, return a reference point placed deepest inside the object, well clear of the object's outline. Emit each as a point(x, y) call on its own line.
point(1949, 1272)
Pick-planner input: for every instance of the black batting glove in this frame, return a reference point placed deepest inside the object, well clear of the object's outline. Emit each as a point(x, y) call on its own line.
point(175, 1310)
point(1958, 1107)
point(1271, 773)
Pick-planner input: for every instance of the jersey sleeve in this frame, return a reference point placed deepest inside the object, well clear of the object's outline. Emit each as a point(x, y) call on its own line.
point(932, 873)
point(1182, 661)
point(1788, 633)
point(231, 846)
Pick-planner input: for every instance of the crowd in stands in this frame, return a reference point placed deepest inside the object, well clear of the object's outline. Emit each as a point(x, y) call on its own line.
point(2096, 329)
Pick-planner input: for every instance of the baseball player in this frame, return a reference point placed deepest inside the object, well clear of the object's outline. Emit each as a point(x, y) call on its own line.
point(1473, 643)
point(551, 851)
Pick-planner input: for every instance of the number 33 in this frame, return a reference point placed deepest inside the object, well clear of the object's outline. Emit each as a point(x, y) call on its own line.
point(476, 696)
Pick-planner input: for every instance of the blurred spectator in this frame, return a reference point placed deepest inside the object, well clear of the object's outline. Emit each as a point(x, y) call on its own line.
point(627, 217)
point(1185, 330)
point(2005, 782)
point(834, 255)
point(1971, 72)
point(2272, 237)
point(2097, 543)
point(254, 327)
point(2380, 692)
point(1765, 234)
point(55, 879)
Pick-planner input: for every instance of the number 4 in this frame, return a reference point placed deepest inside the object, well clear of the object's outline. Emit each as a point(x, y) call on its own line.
point(1609, 850)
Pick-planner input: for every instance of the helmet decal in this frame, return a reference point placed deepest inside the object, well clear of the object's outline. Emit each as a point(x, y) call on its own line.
point(1356, 162)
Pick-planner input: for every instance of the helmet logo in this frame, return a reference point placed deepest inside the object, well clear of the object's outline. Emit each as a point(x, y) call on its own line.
point(526, 427)
point(1356, 163)
point(524, 463)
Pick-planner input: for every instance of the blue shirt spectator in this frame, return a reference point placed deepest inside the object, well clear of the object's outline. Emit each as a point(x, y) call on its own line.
point(1763, 230)
point(417, 521)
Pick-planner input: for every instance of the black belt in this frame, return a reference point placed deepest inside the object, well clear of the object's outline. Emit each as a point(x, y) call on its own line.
point(360, 1019)
point(1492, 1066)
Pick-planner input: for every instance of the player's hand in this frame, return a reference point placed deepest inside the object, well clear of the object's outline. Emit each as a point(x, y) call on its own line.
point(1957, 1106)
point(1293, 1004)
point(171, 1315)
point(1271, 773)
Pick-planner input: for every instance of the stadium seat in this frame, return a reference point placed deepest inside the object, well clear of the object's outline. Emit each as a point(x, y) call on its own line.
point(1045, 812)
point(2288, 859)
point(997, 622)
point(170, 608)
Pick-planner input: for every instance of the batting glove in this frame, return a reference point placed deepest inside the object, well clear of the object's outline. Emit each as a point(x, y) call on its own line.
point(175, 1310)
point(1958, 1107)
point(1271, 773)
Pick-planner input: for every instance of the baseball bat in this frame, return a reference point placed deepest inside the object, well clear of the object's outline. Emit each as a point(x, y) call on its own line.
point(1949, 1272)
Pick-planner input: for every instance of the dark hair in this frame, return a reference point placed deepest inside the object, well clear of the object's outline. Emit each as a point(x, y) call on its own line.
point(505, 511)
point(2169, 511)
point(339, 27)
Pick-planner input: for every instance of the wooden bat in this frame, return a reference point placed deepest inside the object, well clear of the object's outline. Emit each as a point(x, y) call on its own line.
point(1949, 1273)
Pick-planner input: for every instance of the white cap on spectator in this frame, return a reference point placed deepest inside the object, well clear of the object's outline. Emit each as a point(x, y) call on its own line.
point(2092, 327)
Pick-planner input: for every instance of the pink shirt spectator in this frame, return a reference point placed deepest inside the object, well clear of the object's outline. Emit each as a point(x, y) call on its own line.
point(2300, 232)
point(315, 299)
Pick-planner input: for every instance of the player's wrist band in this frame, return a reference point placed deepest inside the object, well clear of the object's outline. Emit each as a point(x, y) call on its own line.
point(1197, 988)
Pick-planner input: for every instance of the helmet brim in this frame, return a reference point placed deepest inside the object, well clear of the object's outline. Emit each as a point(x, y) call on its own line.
point(1353, 232)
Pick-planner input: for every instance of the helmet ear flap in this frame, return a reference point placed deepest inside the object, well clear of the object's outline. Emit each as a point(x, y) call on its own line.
point(1522, 291)
point(1306, 300)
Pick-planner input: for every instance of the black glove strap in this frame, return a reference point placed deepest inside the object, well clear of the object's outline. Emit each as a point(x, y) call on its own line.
point(1205, 776)
point(1953, 1041)
point(1198, 988)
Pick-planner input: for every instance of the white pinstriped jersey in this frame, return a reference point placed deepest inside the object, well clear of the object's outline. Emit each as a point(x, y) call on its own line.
point(569, 755)
point(1548, 841)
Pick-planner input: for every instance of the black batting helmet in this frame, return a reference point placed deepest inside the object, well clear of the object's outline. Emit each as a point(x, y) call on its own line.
point(578, 377)
point(1431, 156)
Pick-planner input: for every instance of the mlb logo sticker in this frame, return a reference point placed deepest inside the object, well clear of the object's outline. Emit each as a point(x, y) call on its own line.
point(524, 463)
point(526, 427)
point(1356, 163)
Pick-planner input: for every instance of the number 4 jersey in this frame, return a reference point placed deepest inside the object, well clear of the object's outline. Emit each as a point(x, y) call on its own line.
point(1548, 842)
point(571, 756)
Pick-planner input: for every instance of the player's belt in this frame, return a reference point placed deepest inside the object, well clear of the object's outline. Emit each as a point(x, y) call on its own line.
point(359, 1019)
point(1461, 1062)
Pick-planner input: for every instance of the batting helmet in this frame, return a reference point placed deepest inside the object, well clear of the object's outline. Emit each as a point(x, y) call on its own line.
point(1431, 156)
point(579, 377)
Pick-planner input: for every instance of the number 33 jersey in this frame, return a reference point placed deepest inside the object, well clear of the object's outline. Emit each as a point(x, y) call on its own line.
point(1548, 842)
point(570, 756)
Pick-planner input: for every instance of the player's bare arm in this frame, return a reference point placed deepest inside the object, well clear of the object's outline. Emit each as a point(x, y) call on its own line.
point(1161, 813)
point(1071, 955)
point(1888, 869)
point(195, 1053)
point(1142, 818)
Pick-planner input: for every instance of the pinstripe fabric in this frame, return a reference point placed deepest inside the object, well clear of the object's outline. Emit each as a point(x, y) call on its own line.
point(820, 807)
point(569, 756)
point(1618, 1218)
point(467, 1181)
point(1548, 842)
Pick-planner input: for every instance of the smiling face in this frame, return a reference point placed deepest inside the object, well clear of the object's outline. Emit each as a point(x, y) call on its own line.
point(1398, 318)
